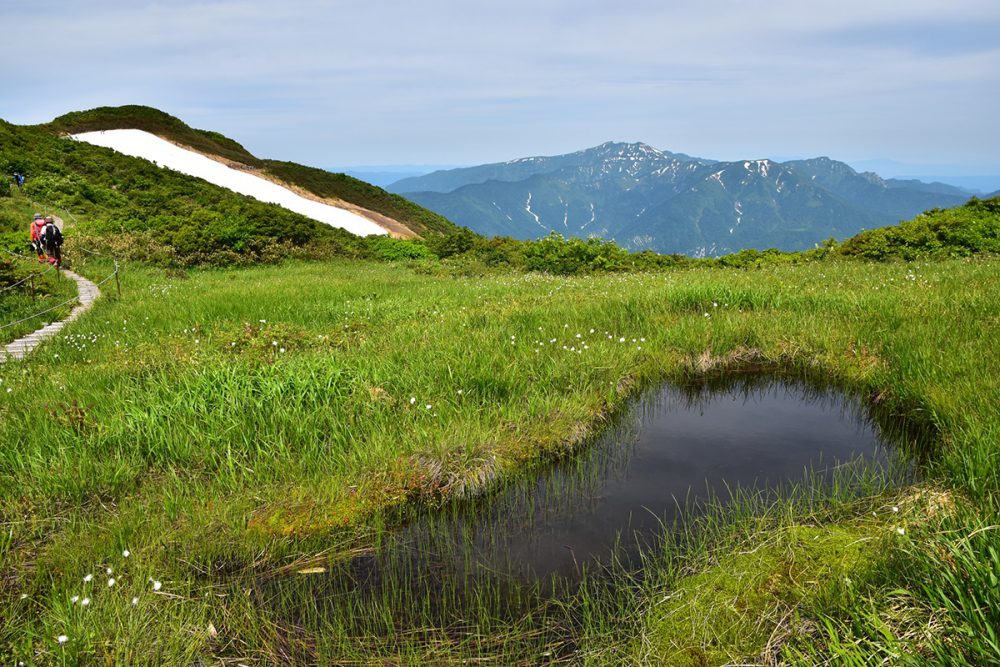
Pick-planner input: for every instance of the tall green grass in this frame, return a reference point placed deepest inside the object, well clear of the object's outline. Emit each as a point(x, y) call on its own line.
point(226, 426)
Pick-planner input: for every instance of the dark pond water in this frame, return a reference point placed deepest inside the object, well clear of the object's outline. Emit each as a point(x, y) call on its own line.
point(675, 449)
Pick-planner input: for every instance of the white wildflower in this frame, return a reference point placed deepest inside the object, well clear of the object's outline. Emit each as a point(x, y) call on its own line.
point(62, 639)
point(84, 602)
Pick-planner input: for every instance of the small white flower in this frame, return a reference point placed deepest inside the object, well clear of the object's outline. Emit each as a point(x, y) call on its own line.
point(135, 601)
point(88, 578)
point(895, 509)
point(282, 350)
point(74, 599)
point(622, 339)
point(24, 596)
point(428, 406)
point(111, 582)
point(413, 399)
point(459, 392)
point(62, 639)
point(109, 570)
point(126, 553)
point(84, 602)
point(901, 531)
point(157, 585)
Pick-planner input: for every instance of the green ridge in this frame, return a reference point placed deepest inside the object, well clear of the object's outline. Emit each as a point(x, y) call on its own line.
point(319, 182)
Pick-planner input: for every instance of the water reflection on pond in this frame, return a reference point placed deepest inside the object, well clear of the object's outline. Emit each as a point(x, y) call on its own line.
point(676, 447)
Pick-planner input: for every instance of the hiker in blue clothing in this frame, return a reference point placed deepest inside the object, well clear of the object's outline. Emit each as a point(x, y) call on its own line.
point(18, 180)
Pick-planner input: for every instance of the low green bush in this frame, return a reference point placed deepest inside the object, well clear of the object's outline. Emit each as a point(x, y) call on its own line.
point(957, 232)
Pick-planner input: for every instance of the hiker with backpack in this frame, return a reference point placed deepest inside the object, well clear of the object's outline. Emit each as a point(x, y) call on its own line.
point(18, 180)
point(37, 245)
point(52, 240)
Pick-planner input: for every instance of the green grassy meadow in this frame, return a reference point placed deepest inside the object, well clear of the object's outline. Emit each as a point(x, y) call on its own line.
point(233, 427)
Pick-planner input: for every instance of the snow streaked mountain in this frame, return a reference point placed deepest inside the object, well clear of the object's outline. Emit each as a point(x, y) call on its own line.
point(642, 198)
point(138, 143)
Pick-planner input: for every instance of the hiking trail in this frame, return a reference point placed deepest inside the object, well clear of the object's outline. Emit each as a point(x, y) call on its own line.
point(87, 293)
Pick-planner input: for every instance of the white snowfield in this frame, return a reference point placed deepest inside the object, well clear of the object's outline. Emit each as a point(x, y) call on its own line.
point(165, 154)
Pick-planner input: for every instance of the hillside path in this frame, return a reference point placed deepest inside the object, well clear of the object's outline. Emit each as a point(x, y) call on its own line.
point(87, 293)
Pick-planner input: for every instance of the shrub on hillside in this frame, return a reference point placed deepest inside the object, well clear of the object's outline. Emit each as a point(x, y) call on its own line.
point(559, 255)
point(965, 230)
point(392, 250)
point(460, 241)
point(8, 273)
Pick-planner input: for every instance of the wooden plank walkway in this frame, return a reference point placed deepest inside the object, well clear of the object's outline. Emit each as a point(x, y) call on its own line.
point(87, 293)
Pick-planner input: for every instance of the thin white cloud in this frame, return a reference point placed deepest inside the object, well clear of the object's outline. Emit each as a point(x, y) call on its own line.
point(453, 81)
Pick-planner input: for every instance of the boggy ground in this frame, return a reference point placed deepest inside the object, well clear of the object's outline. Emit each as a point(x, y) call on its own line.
point(228, 427)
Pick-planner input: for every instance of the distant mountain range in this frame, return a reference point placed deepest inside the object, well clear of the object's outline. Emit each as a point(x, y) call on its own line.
point(644, 198)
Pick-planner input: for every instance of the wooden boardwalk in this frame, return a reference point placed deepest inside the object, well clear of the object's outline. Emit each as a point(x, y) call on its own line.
point(87, 293)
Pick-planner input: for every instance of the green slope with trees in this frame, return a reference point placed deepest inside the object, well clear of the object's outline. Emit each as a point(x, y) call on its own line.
point(321, 183)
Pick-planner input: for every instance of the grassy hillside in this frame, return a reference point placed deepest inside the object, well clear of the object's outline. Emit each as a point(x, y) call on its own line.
point(348, 188)
point(230, 429)
point(144, 212)
point(317, 181)
point(135, 117)
point(956, 232)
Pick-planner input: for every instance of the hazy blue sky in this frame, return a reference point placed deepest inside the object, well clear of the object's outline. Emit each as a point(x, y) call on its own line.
point(352, 83)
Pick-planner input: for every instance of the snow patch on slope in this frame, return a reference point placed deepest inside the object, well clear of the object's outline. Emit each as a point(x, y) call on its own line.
point(165, 154)
point(527, 207)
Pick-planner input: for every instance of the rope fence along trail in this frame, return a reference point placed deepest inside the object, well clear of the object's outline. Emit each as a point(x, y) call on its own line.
point(87, 293)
